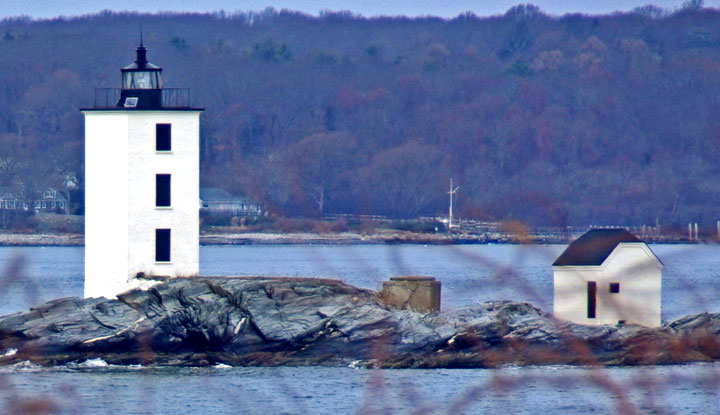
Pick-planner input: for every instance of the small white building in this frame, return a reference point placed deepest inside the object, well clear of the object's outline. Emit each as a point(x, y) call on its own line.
point(142, 181)
point(608, 276)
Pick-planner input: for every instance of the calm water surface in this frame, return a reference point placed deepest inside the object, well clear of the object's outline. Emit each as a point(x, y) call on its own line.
point(469, 274)
point(690, 389)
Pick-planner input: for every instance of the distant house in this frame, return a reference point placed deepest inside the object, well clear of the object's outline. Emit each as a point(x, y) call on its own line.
point(48, 199)
point(219, 201)
point(8, 200)
point(608, 276)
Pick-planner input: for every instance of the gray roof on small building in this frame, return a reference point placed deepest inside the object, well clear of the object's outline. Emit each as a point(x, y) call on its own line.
point(594, 246)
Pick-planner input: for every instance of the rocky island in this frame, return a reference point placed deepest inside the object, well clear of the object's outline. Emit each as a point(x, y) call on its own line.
point(258, 321)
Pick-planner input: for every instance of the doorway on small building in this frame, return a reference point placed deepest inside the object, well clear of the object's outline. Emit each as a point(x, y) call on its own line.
point(592, 299)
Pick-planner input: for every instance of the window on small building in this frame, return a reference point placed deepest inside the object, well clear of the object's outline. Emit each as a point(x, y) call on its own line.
point(162, 190)
point(131, 102)
point(163, 139)
point(614, 287)
point(162, 245)
point(592, 299)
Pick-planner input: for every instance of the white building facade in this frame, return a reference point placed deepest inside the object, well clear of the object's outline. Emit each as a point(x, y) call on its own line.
point(608, 276)
point(142, 169)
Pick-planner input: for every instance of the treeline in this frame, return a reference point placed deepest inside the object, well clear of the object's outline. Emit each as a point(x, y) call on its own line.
point(549, 120)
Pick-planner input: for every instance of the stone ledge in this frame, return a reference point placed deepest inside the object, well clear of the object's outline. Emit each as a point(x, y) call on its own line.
point(277, 321)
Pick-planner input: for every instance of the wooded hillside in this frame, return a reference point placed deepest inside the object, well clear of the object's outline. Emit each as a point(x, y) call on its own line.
point(550, 120)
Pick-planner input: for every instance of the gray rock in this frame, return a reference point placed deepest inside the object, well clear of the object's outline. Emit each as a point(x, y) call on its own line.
point(297, 321)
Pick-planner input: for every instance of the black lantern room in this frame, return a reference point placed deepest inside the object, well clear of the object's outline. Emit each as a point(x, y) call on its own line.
point(141, 83)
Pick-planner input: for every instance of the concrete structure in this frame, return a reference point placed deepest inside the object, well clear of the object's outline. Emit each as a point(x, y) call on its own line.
point(608, 276)
point(141, 185)
point(417, 293)
point(218, 201)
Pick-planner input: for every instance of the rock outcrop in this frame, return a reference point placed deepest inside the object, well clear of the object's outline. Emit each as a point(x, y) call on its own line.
point(295, 321)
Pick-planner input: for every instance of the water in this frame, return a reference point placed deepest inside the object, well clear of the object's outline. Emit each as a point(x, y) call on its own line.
point(688, 389)
point(469, 274)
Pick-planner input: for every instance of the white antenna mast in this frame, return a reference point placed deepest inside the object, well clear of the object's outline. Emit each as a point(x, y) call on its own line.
point(451, 192)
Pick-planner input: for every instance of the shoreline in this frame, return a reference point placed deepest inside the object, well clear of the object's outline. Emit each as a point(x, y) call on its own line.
point(309, 238)
point(341, 238)
point(41, 239)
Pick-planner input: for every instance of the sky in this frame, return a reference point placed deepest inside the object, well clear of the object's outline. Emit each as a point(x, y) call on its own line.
point(443, 8)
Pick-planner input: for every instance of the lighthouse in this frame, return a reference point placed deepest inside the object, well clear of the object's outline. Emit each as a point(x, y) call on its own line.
point(142, 173)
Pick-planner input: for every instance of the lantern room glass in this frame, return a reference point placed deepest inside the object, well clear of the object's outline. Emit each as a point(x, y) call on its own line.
point(141, 80)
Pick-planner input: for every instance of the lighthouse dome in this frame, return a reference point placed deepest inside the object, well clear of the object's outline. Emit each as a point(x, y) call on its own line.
point(141, 74)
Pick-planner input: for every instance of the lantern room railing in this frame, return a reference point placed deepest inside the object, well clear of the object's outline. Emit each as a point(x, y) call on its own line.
point(171, 98)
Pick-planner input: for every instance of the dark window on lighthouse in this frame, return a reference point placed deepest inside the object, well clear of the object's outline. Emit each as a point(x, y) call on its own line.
point(162, 245)
point(162, 190)
point(163, 139)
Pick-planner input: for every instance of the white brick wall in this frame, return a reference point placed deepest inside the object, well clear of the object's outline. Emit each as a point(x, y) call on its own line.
point(120, 213)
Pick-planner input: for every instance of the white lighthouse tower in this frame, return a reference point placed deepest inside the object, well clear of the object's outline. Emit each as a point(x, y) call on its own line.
point(142, 170)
